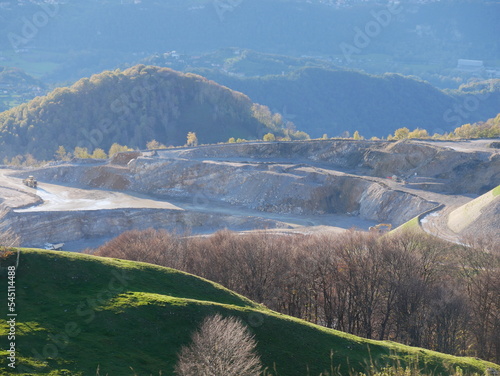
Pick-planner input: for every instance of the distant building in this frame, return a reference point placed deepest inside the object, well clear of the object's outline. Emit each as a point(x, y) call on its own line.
point(471, 66)
point(493, 72)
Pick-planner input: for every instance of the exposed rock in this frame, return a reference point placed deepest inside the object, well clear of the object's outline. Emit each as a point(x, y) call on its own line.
point(304, 179)
point(37, 228)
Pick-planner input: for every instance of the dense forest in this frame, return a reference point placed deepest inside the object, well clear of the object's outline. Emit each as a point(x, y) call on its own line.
point(406, 287)
point(133, 107)
point(328, 101)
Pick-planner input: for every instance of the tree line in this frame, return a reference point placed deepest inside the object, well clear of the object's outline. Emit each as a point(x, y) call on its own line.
point(285, 131)
point(407, 287)
point(482, 129)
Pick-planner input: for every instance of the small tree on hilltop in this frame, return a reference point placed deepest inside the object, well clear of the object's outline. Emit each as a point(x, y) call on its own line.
point(117, 148)
point(465, 131)
point(81, 153)
point(192, 140)
point(153, 144)
point(357, 136)
point(62, 155)
point(222, 346)
point(418, 133)
point(99, 154)
point(401, 133)
point(29, 160)
point(269, 137)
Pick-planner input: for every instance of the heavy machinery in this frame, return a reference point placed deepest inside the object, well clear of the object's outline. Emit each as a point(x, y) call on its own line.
point(398, 179)
point(381, 227)
point(30, 182)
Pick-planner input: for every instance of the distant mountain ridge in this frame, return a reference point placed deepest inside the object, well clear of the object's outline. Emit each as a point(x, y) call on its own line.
point(287, 27)
point(16, 86)
point(131, 108)
point(328, 101)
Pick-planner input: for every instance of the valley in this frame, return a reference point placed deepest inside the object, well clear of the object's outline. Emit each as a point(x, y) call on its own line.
point(257, 188)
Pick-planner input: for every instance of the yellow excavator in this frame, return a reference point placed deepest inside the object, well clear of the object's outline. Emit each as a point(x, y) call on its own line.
point(381, 227)
point(30, 182)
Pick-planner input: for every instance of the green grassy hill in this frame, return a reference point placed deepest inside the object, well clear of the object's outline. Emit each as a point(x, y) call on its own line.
point(78, 313)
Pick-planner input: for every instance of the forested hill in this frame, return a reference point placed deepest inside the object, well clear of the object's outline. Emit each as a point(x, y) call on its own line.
point(131, 107)
point(328, 101)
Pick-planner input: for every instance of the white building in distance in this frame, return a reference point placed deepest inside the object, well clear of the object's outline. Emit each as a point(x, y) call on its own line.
point(472, 66)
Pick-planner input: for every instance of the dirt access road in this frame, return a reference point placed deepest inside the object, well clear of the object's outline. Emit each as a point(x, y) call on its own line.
point(72, 197)
point(64, 198)
point(436, 223)
point(468, 146)
point(67, 198)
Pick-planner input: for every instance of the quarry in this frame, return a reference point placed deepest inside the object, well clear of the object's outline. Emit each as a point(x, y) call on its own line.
point(300, 186)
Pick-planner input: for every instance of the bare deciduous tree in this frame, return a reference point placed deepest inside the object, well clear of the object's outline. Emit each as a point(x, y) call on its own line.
point(406, 287)
point(481, 268)
point(222, 346)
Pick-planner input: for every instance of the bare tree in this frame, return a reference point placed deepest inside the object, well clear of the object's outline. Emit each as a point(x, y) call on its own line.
point(481, 267)
point(222, 346)
point(406, 287)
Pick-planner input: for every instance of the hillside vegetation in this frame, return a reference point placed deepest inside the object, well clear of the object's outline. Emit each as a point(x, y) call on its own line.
point(408, 287)
point(132, 107)
point(79, 314)
point(328, 101)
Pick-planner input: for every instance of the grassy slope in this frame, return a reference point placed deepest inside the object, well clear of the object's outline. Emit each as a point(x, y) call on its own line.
point(496, 191)
point(413, 225)
point(141, 322)
point(465, 215)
